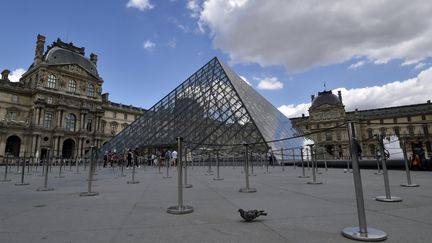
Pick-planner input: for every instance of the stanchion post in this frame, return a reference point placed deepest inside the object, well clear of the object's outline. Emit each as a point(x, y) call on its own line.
point(46, 188)
point(186, 185)
point(6, 162)
point(90, 178)
point(247, 189)
point(388, 197)
point(22, 173)
point(379, 172)
point(407, 170)
point(180, 208)
point(302, 164)
point(217, 178)
point(314, 165)
point(167, 164)
point(133, 169)
point(325, 160)
point(361, 233)
point(60, 169)
point(282, 160)
point(209, 171)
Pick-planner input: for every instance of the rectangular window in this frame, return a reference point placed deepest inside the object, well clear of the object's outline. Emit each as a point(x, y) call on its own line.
point(425, 130)
point(47, 120)
point(14, 99)
point(409, 118)
point(49, 100)
point(395, 120)
point(125, 116)
point(12, 115)
point(114, 114)
point(423, 117)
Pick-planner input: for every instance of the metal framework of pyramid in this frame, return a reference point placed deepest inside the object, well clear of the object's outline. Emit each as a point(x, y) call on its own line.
point(213, 108)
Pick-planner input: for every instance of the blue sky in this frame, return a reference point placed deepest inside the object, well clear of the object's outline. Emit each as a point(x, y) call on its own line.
point(377, 53)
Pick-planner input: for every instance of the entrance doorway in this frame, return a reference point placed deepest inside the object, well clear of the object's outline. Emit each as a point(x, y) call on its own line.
point(68, 148)
point(13, 145)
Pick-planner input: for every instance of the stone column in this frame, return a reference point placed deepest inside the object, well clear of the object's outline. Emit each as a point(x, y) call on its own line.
point(36, 115)
point(2, 144)
point(56, 138)
point(60, 146)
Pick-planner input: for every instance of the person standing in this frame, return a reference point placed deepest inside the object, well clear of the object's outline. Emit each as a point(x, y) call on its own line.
point(105, 159)
point(174, 157)
point(129, 158)
point(270, 156)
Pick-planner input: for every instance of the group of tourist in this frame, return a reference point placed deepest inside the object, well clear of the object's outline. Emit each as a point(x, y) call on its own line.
point(113, 158)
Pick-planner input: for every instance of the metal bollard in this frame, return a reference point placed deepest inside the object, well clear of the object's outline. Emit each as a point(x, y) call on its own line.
point(379, 172)
point(28, 165)
point(186, 185)
point(5, 179)
point(167, 168)
point(60, 170)
point(325, 161)
point(247, 189)
point(46, 188)
point(362, 233)
point(294, 163)
point(282, 160)
point(77, 165)
point(302, 164)
point(133, 172)
point(407, 170)
point(22, 173)
point(314, 165)
point(90, 178)
point(209, 171)
point(217, 178)
point(252, 166)
point(388, 197)
point(180, 208)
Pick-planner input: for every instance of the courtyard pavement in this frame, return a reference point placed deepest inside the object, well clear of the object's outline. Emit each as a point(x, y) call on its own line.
point(297, 211)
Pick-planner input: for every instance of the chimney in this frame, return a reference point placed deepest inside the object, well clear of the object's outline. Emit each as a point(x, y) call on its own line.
point(93, 58)
point(5, 74)
point(340, 95)
point(40, 45)
point(312, 98)
point(105, 97)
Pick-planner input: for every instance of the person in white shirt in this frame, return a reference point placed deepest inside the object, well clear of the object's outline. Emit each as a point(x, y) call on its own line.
point(174, 157)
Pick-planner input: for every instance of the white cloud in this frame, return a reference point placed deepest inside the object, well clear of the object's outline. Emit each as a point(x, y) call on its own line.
point(142, 5)
point(420, 65)
point(301, 34)
point(16, 74)
point(294, 110)
point(411, 91)
point(244, 79)
point(270, 83)
point(194, 7)
point(356, 65)
point(148, 45)
point(172, 43)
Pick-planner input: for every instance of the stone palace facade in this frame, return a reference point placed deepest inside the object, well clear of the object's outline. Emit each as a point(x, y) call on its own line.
point(58, 106)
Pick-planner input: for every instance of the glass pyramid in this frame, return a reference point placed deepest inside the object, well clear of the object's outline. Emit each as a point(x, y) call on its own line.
point(214, 109)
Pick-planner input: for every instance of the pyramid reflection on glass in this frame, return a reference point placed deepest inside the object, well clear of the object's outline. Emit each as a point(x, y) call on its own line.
point(212, 107)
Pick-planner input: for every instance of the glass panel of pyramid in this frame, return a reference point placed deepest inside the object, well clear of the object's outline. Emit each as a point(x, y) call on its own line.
point(213, 109)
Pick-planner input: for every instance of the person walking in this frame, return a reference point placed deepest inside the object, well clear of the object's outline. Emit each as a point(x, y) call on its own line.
point(174, 157)
point(270, 156)
point(129, 158)
point(105, 159)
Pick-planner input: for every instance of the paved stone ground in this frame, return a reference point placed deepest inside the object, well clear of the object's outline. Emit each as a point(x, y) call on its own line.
point(123, 212)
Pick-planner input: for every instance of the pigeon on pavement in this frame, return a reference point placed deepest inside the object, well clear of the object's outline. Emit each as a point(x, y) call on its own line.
point(251, 214)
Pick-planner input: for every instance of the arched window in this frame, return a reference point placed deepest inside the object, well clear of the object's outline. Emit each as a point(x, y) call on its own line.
point(90, 90)
point(72, 86)
point(51, 81)
point(70, 122)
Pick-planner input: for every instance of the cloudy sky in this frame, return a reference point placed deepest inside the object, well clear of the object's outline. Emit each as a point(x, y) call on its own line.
point(377, 52)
